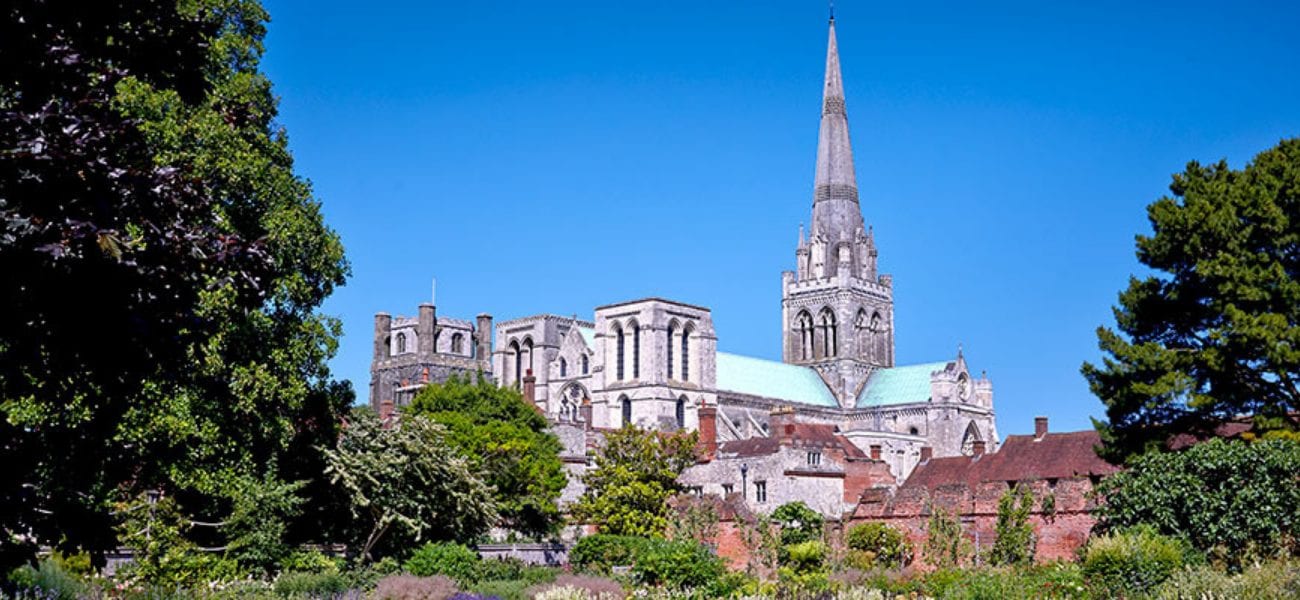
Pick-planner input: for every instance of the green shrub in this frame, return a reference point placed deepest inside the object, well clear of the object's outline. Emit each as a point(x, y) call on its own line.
point(505, 589)
point(444, 558)
point(601, 552)
point(1056, 580)
point(804, 568)
point(310, 561)
point(513, 569)
point(798, 523)
point(1015, 540)
point(1132, 562)
point(1276, 579)
point(48, 580)
point(876, 544)
point(677, 564)
point(311, 585)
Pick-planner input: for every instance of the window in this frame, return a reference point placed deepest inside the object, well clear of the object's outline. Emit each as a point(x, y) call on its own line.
point(805, 327)
point(618, 332)
point(519, 363)
point(696, 490)
point(627, 410)
point(686, 354)
point(728, 489)
point(760, 491)
point(914, 431)
point(401, 343)
point(584, 364)
point(671, 328)
point(814, 458)
point(564, 367)
point(829, 341)
point(681, 412)
point(457, 343)
point(636, 351)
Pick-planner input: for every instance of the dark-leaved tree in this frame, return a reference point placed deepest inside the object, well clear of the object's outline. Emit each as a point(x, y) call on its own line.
point(1213, 332)
point(162, 269)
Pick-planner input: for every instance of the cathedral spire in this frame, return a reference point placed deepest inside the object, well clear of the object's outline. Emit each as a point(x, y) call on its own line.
point(835, 190)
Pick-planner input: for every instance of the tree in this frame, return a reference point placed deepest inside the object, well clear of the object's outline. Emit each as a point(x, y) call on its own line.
point(163, 267)
point(798, 523)
point(407, 480)
point(945, 545)
point(636, 472)
point(507, 440)
point(1214, 331)
point(875, 544)
point(1014, 542)
point(1233, 499)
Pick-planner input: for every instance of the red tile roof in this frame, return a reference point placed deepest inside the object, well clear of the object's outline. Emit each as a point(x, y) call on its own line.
point(805, 435)
point(1021, 458)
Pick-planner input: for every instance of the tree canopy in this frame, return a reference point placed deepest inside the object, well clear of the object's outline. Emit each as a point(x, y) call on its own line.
point(636, 472)
point(1213, 332)
point(163, 266)
point(507, 440)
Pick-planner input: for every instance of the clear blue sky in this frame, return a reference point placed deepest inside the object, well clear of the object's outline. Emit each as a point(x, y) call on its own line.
point(556, 156)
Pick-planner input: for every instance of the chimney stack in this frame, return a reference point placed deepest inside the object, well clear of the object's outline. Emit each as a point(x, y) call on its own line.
point(708, 432)
point(483, 337)
point(977, 448)
point(530, 387)
point(584, 412)
point(780, 424)
point(1040, 427)
point(926, 453)
point(875, 452)
point(386, 412)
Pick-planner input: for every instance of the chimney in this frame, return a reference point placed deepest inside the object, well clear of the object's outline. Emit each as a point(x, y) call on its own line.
point(425, 327)
point(383, 327)
point(584, 412)
point(483, 337)
point(926, 453)
point(708, 432)
point(977, 448)
point(875, 452)
point(1040, 427)
point(530, 387)
point(386, 412)
point(780, 424)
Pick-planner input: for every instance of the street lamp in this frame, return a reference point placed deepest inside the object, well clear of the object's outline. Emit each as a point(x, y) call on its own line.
point(744, 485)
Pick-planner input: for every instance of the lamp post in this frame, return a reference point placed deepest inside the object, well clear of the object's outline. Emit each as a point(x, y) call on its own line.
point(744, 485)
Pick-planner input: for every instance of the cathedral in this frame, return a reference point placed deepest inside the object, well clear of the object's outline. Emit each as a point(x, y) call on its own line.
point(835, 416)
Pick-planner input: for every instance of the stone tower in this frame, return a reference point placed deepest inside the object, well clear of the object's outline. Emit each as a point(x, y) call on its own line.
point(837, 311)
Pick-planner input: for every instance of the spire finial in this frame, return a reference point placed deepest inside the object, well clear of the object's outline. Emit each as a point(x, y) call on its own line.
point(832, 8)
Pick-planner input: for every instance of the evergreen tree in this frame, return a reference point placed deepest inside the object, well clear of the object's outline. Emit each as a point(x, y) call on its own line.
point(1214, 331)
point(163, 266)
point(636, 472)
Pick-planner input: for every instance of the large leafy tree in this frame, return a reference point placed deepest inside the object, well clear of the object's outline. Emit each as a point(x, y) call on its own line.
point(162, 266)
point(406, 483)
point(636, 473)
point(506, 439)
point(1213, 332)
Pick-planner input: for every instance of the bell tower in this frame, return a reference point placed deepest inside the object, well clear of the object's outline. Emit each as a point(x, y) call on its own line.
point(837, 310)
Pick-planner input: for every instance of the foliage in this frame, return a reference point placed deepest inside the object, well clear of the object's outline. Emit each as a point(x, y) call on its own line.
point(945, 545)
point(1132, 562)
point(636, 472)
point(311, 585)
point(513, 569)
point(1214, 332)
point(506, 440)
point(310, 561)
point(798, 523)
point(762, 541)
point(1015, 540)
point(693, 518)
point(677, 564)
point(1267, 581)
point(1235, 500)
point(578, 587)
point(410, 587)
point(1057, 580)
point(160, 535)
point(877, 545)
point(47, 580)
point(406, 479)
point(601, 552)
point(444, 558)
point(163, 267)
point(804, 566)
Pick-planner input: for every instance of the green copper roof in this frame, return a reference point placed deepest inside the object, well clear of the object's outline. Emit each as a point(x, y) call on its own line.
point(771, 379)
point(899, 385)
point(588, 336)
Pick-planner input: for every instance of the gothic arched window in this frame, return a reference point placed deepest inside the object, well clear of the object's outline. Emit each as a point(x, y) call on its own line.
point(585, 365)
point(514, 376)
point(626, 404)
point(829, 341)
point(618, 361)
point(686, 352)
point(564, 367)
point(401, 343)
point(968, 440)
point(636, 349)
point(804, 325)
point(672, 327)
point(681, 412)
point(457, 343)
